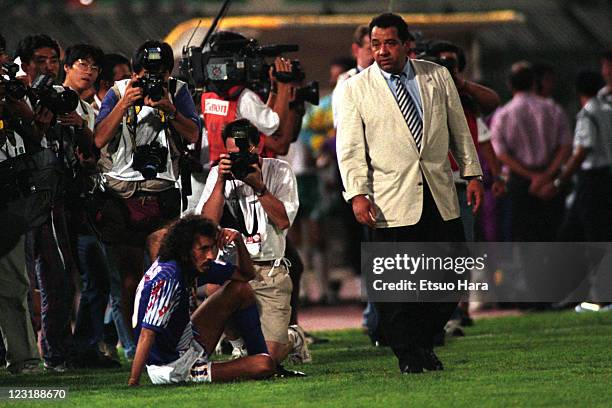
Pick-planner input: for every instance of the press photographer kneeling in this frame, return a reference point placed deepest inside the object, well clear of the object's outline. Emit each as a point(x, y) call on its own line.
point(142, 124)
point(258, 197)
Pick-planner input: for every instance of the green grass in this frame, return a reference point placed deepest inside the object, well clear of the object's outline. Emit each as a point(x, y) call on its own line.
point(546, 359)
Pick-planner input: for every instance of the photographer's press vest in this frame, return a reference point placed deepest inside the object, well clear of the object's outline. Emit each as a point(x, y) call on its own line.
point(117, 157)
point(218, 111)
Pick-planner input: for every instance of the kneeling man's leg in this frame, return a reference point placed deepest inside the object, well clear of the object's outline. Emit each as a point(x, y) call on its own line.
point(273, 295)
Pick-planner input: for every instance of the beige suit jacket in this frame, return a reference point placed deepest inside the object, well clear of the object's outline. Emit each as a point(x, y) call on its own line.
point(378, 156)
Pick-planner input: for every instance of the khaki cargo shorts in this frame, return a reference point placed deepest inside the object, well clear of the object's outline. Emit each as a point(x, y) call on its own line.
point(273, 294)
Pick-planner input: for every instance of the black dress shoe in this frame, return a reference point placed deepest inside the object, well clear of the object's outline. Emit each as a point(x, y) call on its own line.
point(282, 372)
point(412, 363)
point(412, 369)
point(431, 362)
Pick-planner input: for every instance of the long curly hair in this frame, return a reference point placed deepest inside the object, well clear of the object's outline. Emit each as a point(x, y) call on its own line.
point(178, 243)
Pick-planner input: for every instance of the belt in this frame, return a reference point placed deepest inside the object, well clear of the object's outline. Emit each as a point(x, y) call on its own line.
point(264, 263)
point(274, 264)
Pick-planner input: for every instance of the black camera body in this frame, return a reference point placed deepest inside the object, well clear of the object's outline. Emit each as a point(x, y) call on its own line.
point(60, 103)
point(241, 163)
point(150, 159)
point(152, 83)
point(15, 88)
point(243, 159)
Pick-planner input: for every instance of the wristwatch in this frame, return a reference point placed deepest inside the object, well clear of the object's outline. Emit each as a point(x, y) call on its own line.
point(260, 193)
point(470, 178)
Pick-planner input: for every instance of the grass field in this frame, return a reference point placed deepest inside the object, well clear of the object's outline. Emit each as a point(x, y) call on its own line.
point(545, 359)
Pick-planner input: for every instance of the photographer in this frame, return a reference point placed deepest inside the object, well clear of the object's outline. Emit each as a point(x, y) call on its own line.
point(19, 341)
point(258, 197)
point(60, 132)
point(39, 55)
point(141, 127)
point(229, 100)
point(82, 67)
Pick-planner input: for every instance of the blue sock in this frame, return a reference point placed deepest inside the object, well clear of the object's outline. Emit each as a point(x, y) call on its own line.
point(247, 322)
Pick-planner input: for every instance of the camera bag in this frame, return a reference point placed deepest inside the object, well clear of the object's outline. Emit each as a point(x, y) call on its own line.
point(29, 184)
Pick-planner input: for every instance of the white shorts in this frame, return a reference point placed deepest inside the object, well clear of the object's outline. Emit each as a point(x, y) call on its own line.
point(192, 366)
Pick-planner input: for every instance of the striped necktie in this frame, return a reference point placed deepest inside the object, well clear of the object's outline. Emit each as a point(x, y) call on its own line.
point(409, 110)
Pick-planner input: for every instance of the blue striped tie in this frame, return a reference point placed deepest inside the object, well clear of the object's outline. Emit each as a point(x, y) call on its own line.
point(409, 110)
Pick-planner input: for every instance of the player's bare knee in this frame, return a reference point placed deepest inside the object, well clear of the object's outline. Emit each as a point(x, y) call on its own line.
point(265, 365)
point(241, 290)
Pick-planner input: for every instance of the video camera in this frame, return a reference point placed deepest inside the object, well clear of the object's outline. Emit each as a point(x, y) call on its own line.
point(45, 95)
point(239, 61)
point(15, 88)
point(152, 82)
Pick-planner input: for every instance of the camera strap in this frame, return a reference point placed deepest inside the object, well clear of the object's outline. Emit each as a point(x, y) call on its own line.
point(184, 162)
point(237, 221)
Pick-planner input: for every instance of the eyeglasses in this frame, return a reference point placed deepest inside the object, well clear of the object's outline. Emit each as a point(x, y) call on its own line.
point(85, 66)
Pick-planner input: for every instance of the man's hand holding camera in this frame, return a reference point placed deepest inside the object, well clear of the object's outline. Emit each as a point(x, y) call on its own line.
point(225, 168)
point(71, 119)
point(254, 178)
point(131, 96)
point(163, 104)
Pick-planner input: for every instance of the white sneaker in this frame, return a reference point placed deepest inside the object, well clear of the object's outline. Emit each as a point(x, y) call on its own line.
point(299, 352)
point(586, 307)
point(239, 352)
point(453, 328)
point(59, 368)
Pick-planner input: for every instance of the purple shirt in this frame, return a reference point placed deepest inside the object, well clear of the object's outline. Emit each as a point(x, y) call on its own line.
point(530, 128)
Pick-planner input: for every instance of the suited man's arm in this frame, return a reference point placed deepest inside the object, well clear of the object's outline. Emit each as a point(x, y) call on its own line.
point(351, 147)
point(352, 154)
point(461, 143)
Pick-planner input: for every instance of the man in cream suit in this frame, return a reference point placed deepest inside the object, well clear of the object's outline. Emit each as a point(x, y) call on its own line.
point(398, 120)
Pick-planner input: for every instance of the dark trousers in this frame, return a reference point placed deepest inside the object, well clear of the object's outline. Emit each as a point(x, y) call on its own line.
point(590, 217)
point(93, 267)
point(408, 326)
point(50, 257)
point(533, 219)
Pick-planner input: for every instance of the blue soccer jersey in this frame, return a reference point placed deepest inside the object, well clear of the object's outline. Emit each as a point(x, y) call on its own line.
point(162, 305)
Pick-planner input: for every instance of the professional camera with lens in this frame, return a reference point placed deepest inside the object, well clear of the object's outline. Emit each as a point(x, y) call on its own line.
point(150, 159)
point(15, 88)
point(241, 61)
point(45, 95)
point(235, 61)
point(243, 159)
point(152, 82)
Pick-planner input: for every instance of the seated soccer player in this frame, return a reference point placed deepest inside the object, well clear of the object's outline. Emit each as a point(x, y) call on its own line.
point(173, 345)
